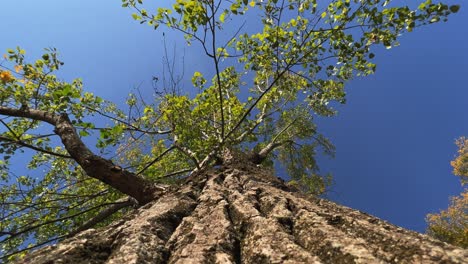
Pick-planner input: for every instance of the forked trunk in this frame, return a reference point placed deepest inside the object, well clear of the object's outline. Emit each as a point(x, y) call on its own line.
point(240, 213)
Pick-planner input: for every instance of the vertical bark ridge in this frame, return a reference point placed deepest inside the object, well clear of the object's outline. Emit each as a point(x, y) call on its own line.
point(207, 235)
point(264, 239)
point(144, 238)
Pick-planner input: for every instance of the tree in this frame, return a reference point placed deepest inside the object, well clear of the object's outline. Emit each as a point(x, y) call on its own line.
point(451, 225)
point(257, 110)
point(240, 213)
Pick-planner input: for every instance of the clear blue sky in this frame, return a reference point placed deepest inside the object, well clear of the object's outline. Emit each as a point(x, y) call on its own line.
point(394, 137)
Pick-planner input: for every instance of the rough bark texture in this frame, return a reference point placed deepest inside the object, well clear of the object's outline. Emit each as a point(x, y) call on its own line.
point(242, 214)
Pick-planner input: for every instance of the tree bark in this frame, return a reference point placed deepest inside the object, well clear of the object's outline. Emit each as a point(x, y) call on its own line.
point(240, 213)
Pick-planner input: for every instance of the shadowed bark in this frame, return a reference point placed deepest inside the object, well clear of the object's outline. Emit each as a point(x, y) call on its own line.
point(240, 213)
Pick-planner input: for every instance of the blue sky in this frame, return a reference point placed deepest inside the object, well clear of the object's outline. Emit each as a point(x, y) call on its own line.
point(394, 137)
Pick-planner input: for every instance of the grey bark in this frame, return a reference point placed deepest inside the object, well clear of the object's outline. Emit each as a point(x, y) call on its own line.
point(240, 213)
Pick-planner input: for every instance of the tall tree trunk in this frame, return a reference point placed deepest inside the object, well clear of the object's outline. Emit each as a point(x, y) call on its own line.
point(240, 213)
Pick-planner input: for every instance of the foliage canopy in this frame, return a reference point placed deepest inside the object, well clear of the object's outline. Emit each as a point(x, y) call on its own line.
point(267, 84)
point(451, 225)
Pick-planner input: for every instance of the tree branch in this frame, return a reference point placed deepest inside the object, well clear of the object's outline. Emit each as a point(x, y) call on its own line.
point(176, 173)
point(102, 215)
point(189, 153)
point(94, 166)
point(212, 25)
point(155, 160)
point(30, 228)
point(24, 144)
point(257, 123)
point(129, 127)
point(260, 156)
point(31, 247)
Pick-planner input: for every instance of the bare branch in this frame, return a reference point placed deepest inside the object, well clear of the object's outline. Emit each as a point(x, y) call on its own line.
point(24, 144)
point(32, 247)
point(156, 159)
point(176, 173)
point(252, 106)
point(189, 153)
point(259, 157)
point(30, 228)
point(102, 215)
point(212, 25)
point(283, 130)
point(259, 120)
point(130, 127)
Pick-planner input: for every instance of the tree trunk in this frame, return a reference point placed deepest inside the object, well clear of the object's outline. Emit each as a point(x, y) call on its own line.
point(240, 213)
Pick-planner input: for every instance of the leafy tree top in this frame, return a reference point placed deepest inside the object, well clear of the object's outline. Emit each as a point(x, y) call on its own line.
point(261, 96)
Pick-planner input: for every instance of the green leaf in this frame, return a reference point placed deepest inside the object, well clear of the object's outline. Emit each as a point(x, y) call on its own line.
point(222, 17)
point(136, 16)
point(83, 133)
point(454, 8)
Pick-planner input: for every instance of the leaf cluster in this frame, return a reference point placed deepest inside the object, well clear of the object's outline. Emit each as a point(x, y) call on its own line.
point(451, 225)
